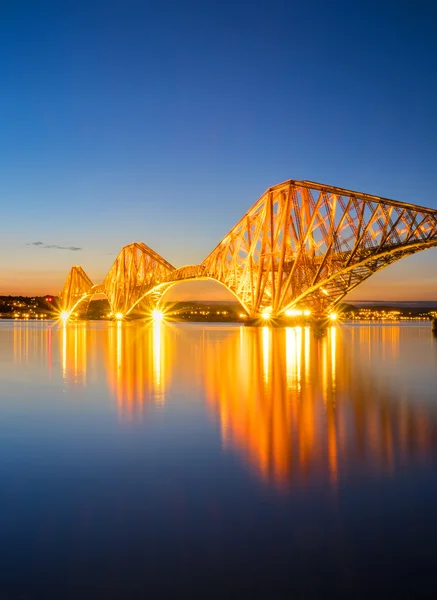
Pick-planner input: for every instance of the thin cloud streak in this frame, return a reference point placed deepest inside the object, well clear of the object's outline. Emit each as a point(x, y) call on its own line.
point(54, 246)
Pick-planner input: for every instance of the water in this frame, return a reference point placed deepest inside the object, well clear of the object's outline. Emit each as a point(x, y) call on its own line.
point(221, 461)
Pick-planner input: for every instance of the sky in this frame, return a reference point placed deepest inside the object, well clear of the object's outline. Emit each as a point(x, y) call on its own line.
point(163, 122)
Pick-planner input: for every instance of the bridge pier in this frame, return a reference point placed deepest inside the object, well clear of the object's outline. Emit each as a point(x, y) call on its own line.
point(434, 326)
point(261, 322)
point(317, 323)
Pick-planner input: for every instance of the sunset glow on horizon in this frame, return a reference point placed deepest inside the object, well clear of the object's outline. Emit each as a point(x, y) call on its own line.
point(127, 139)
point(412, 279)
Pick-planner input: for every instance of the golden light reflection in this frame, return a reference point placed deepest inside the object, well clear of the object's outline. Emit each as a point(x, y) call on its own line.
point(325, 368)
point(135, 360)
point(266, 352)
point(64, 350)
point(74, 352)
point(293, 348)
point(158, 363)
point(119, 348)
point(132, 356)
point(307, 352)
point(298, 406)
point(22, 341)
point(333, 336)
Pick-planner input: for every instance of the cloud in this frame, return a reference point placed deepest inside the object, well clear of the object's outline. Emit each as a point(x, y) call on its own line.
point(54, 246)
point(72, 248)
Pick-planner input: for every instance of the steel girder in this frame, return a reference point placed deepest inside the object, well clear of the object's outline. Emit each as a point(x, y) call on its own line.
point(302, 244)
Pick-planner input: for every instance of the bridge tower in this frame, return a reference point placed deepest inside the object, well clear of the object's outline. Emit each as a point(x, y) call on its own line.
point(77, 288)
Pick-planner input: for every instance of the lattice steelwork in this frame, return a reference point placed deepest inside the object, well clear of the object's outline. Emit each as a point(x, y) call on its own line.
point(302, 244)
point(135, 272)
point(76, 288)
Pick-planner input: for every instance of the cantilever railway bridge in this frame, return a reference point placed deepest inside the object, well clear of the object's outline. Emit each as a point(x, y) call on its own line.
point(301, 245)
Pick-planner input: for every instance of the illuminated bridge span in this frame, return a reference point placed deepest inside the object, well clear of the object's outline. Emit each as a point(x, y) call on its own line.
point(302, 245)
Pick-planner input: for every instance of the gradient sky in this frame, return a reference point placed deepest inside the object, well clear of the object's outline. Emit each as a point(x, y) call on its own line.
point(163, 122)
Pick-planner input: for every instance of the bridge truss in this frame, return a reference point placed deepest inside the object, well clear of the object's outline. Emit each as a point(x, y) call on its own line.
point(301, 245)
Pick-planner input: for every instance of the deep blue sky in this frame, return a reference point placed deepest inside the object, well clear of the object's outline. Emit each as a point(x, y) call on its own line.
point(163, 122)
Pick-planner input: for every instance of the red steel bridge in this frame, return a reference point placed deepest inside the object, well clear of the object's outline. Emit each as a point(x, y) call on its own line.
point(302, 246)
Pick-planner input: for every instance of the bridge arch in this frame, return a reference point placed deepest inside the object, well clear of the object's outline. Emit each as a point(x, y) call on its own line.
point(87, 297)
point(88, 306)
point(157, 293)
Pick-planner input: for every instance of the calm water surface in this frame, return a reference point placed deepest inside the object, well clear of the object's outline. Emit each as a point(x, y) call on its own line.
point(175, 460)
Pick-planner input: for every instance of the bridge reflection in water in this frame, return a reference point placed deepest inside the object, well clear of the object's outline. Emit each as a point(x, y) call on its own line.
point(295, 407)
point(131, 356)
point(136, 366)
point(298, 407)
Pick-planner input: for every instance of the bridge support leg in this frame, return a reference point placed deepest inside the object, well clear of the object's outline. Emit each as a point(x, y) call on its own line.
point(434, 326)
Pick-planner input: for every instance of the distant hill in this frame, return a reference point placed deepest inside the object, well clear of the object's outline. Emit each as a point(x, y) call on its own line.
point(422, 304)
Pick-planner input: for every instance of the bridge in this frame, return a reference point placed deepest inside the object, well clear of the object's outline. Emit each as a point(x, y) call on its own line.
point(302, 246)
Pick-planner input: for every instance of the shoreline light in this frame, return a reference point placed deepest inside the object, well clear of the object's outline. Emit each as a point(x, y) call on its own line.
point(157, 315)
point(119, 316)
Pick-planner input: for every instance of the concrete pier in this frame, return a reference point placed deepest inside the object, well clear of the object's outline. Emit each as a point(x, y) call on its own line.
point(434, 325)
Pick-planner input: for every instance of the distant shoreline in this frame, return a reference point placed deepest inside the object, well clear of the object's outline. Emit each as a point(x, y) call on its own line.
point(400, 303)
